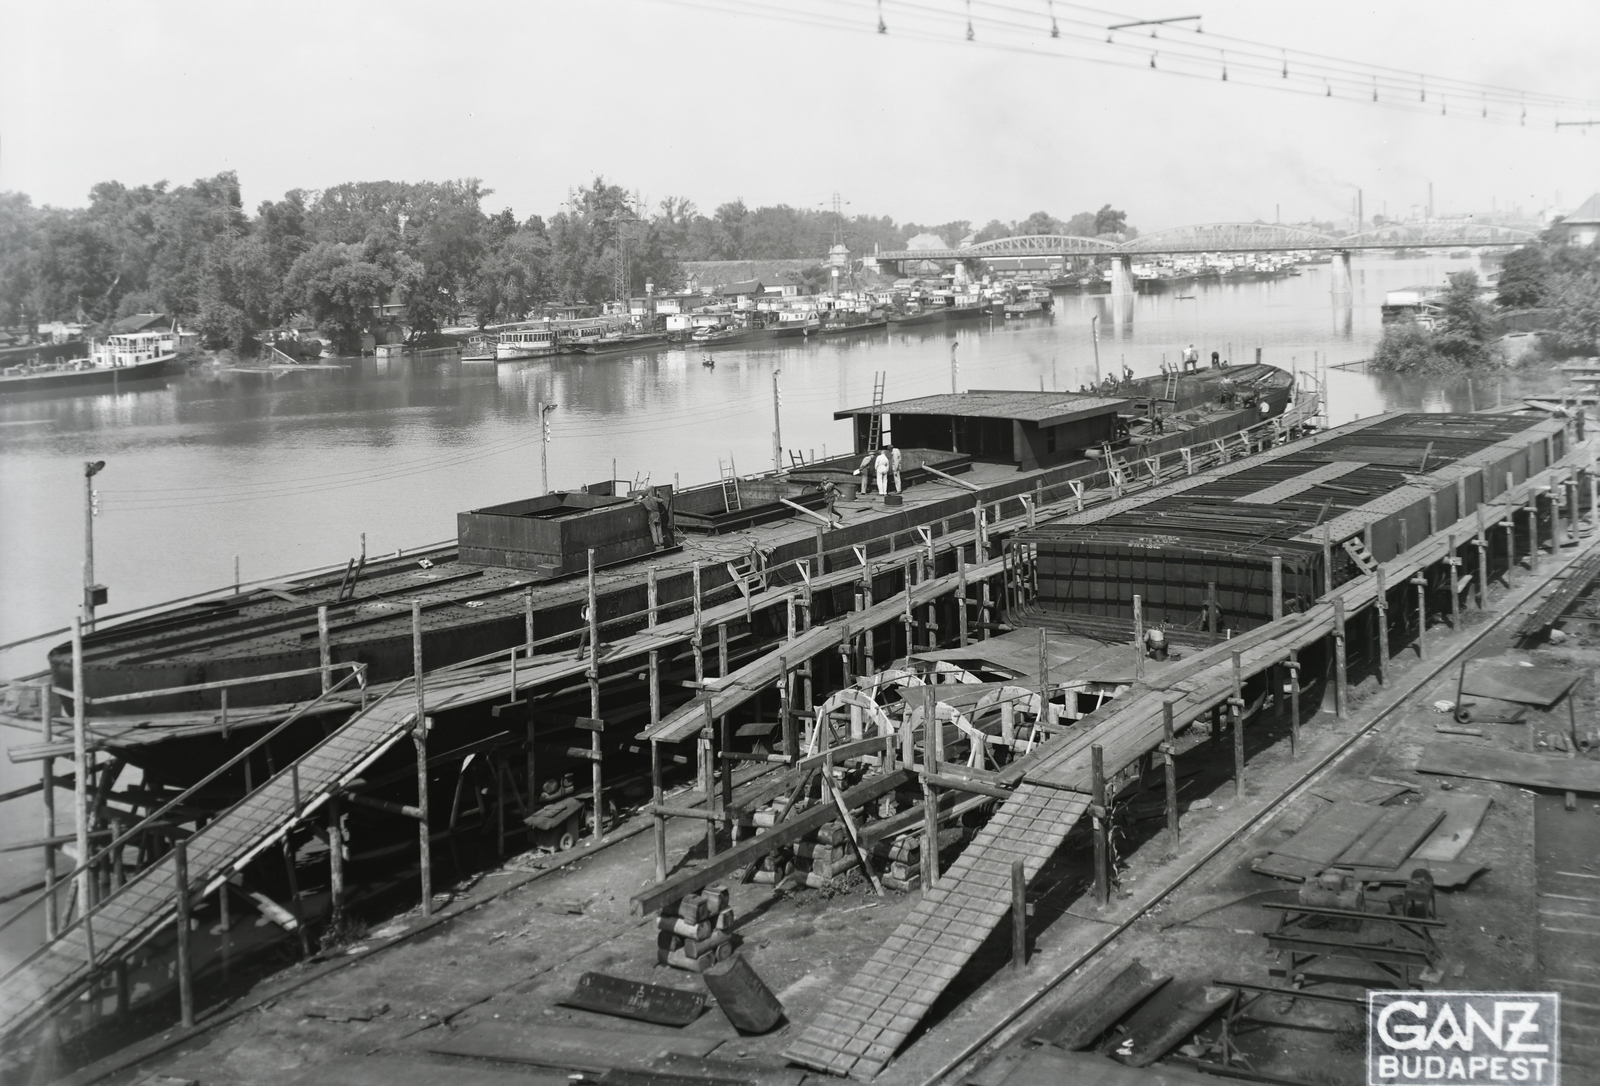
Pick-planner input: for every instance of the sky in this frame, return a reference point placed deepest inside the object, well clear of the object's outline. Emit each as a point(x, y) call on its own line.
point(723, 99)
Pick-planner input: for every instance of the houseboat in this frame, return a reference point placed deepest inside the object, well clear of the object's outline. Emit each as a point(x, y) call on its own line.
point(125, 356)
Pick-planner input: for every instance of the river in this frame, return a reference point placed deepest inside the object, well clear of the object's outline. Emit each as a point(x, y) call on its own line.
point(288, 473)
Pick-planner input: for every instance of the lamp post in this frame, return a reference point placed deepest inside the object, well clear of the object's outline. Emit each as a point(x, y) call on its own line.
point(92, 593)
point(1094, 335)
point(544, 446)
point(777, 423)
point(953, 368)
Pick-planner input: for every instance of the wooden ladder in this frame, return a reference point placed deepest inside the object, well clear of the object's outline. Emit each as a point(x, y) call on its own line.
point(875, 434)
point(1357, 550)
point(730, 485)
point(1169, 393)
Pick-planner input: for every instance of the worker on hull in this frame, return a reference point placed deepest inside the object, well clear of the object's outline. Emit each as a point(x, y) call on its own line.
point(881, 466)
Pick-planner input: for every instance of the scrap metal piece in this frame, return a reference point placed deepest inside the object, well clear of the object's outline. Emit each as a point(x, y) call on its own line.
point(635, 999)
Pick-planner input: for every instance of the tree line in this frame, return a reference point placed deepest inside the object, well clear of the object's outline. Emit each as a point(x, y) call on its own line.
point(1560, 282)
point(194, 253)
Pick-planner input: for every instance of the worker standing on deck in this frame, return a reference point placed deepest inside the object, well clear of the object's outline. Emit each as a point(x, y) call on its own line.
point(652, 506)
point(865, 471)
point(1191, 359)
point(881, 466)
point(1216, 360)
point(894, 467)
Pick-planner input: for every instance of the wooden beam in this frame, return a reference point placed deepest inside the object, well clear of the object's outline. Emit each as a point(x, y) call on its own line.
point(854, 749)
point(930, 469)
point(813, 514)
point(962, 784)
point(791, 830)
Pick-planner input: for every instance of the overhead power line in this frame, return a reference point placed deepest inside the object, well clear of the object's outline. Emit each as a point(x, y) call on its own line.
point(1086, 34)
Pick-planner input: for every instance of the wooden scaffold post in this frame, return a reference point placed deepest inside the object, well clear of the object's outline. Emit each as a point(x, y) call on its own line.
point(180, 879)
point(1341, 673)
point(1169, 757)
point(1097, 810)
point(1293, 667)
point(1236, 721)
point(84, 760)
point(419, 738)
point(598, 802)
point(930, 797)
point(47, 784)
point(1380, 611)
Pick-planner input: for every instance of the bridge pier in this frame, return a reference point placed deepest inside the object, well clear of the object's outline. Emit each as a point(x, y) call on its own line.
point(1122, 292)
point(1121, 277)
point(1341, 271)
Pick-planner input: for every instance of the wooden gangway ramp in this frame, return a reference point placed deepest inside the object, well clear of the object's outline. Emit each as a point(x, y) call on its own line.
point(147, 902)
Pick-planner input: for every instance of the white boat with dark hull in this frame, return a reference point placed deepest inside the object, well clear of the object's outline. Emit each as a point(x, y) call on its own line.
point(540, 338)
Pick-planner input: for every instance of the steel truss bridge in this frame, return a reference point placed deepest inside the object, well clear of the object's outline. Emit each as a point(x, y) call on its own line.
point(1229, 237)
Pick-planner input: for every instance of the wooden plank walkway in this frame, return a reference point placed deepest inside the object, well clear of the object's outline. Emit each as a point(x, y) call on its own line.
point(874, 1013)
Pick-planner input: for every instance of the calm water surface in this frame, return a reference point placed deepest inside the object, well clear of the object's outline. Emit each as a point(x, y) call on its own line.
point(288, 473)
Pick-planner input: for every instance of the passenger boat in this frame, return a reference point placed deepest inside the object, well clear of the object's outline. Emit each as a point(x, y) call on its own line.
point(544, 338)
point(515, 344)
point(128, 356)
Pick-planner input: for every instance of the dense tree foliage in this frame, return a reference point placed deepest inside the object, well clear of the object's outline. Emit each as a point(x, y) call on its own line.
point(1564, 279)
point(429, 250)
point(1458, 341)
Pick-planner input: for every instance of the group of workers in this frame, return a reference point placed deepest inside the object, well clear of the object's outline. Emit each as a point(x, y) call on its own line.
point(1110, 383)
point(1191, 360)
point(884, 463)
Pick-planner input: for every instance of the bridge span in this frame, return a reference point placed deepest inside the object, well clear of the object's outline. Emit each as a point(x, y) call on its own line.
point(1227, 237)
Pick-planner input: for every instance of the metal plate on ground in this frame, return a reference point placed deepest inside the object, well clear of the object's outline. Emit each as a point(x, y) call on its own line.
point(575, 1048)
point(1393, 837)
point(412, 1071)
point(1053, 1067)
point(1078, 1025)
point(1447, 874)
point(1540, 687)
point(1509, 767)
point(1167, 1021)
point(1462, 815)
point(1330, 832)
point(1567, 867)
point(636, 999)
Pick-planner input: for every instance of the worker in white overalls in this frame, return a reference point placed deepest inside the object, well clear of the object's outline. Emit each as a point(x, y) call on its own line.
point(865, 471)
point(881, 466)
point(894, 466)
